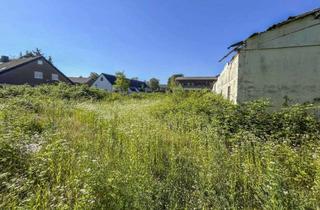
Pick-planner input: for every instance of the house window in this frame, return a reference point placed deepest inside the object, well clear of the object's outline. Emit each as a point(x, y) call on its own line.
point(55, 77)
point(229, 92)
point(101, 79)
point(38, 75)
point(40, 62)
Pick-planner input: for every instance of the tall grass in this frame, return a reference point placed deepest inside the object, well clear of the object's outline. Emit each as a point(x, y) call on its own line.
point(77, 148)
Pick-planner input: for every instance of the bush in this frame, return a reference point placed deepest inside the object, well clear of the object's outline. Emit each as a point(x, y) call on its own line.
point(60, 90)
point(72, 147)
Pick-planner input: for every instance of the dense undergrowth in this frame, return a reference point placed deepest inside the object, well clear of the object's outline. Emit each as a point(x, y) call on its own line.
point(79, 148)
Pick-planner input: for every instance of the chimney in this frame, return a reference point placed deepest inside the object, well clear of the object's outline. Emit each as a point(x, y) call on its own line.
point(4, 59)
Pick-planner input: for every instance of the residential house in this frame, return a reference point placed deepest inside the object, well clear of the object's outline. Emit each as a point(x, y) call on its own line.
point(196, 83)
point(31, 70)
point(106, 82)
point(82, 80)
point(137, 86)
point(281, 64)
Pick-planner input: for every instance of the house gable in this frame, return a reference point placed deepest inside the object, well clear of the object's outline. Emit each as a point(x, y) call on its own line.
point(102, 83)
point(33, 71)
point(106, 82)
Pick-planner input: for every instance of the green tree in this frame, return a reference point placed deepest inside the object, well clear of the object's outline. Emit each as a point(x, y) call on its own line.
point(122, 83)
point(28, 54)
point(172, 81)
point(37, 52)
point(154, 84)
point(50, 59)
point(94, 75)
point(34, 53)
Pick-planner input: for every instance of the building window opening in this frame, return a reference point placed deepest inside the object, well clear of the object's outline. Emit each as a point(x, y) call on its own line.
point(38, 75)
point(55, 77)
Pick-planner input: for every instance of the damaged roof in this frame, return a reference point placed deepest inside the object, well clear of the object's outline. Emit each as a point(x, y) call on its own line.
point(238, 45)
point(315, 12)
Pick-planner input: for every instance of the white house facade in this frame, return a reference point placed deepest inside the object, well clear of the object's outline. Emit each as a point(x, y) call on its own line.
point(106, 82)
point(102, 82)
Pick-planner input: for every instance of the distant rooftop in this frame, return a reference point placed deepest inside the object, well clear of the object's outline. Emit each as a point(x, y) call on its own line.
point(133, 83)
point(80, 80)
point(196, 78)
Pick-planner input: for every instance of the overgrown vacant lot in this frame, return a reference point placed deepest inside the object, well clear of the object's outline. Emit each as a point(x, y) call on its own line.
point(76, 148)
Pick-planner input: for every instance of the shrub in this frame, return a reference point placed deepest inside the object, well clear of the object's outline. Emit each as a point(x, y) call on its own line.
point(72, 147)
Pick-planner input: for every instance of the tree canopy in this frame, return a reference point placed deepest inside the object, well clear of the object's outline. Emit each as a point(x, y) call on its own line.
point(154, 84)
point(94, 75)
point(34, 53)
point(122, 83)
point(172, 81)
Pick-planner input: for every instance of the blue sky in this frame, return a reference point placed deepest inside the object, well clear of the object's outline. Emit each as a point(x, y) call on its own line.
point(144, 38)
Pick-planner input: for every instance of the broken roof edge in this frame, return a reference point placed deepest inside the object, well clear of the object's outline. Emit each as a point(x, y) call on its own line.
point(238, 45)
point(293, 18)
point(282, 23)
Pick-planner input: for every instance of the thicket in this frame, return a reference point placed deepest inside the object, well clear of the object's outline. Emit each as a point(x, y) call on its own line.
point(80, 148)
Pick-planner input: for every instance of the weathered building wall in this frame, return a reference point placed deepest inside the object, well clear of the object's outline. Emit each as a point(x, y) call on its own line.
point(227, 83)
point(282, 65)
